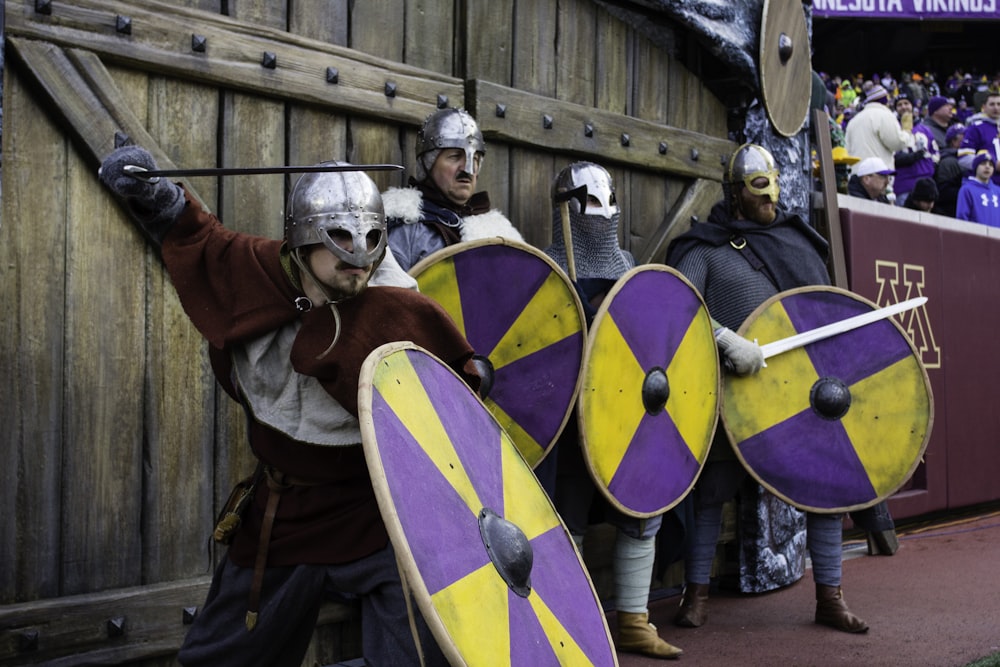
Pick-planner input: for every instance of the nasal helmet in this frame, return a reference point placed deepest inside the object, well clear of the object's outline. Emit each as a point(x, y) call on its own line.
point(341, 210)
point(452, 128)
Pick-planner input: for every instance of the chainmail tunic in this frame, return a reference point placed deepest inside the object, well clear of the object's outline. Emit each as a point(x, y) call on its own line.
point(595, 246)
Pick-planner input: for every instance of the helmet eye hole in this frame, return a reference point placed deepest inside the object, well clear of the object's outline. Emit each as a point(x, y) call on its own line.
point(373, 238)
point(341, 238)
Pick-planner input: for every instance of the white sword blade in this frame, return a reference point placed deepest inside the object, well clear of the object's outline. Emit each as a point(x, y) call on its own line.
point(842, 326)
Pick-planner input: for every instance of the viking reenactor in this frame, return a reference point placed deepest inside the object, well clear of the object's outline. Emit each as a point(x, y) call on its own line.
point(748, 251)
point(440, 207)
point(289, 324)
point(597, 262)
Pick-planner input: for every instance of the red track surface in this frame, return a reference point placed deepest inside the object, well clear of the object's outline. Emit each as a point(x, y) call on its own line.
point(935, 603)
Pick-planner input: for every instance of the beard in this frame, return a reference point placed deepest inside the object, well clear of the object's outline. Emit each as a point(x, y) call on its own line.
point(757, 208)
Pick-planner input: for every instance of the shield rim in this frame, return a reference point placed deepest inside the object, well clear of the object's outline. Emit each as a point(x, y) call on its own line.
point(776, 16)
point(450, 251)
point(411, 578)
point(598, 319)
point(923, 374)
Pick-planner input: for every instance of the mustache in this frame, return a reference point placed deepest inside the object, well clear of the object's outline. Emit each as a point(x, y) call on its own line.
point(463, 176)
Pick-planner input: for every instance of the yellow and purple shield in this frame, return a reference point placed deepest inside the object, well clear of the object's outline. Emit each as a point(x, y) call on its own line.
point(839, 424)
point(649, 397)
point(491, 566)
point(524, 319)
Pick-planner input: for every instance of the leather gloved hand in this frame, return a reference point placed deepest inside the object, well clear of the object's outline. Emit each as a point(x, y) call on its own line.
point(740, 356)
point(155, 203)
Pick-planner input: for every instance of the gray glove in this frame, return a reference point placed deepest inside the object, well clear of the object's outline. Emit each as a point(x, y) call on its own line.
point(154, 204)
point(741, 356)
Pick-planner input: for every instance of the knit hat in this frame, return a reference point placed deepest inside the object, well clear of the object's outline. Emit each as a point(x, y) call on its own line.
point(924, 190)
point(872, 165)
point(876, 94)
point(936, 103)
point(981, 157)
point(953, 131)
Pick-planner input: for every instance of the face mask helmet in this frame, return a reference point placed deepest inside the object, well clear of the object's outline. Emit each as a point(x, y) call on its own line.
point(449, 128)
point(748, 163)
point(601, 198)
point(341, 210)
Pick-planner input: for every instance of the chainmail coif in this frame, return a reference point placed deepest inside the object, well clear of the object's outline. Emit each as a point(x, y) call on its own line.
point(595, 246)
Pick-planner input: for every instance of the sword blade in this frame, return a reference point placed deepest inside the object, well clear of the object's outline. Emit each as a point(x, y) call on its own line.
point(835, 328)
point(147, 174)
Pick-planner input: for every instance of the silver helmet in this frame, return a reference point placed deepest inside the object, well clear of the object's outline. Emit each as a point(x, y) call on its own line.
point(601, 198)
point(452, 128)
point(341, 210)
point(748, 163)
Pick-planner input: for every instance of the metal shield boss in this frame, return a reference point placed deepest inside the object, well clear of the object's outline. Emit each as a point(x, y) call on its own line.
point(836, 425)
point(524, 320)
point(491, 566)
point(649, 397)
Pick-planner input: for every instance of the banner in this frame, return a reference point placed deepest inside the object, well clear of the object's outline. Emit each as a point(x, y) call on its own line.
point(936, 10)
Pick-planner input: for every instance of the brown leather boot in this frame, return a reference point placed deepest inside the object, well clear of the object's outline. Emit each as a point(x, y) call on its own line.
point(831, 610)
point(693, 612)
point(637, 635)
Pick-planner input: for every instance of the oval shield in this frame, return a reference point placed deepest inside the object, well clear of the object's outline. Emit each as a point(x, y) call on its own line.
point(491, 566)
point(524, 319)
point(839, 424)
point(649, 396)
point(785, 65)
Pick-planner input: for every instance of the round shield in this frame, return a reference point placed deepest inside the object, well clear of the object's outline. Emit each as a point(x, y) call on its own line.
point(524, 319)
point(649, 397)
point(491, 566)
point(785, 65)
point(839, 424)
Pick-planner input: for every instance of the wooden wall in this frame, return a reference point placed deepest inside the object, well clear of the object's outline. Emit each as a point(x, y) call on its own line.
point(117, 448)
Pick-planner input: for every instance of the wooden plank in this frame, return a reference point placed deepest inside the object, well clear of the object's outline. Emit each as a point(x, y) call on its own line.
point(830, 219)
point(105, 364)
point(696, 198)
point(612, 41)
point(161, 42)
point(73, 630)
point(32, 291)
point(688, 154)
point(252, 133)
point(377, 30)
point(429, 39)
point(180, 387)
point(316, 134)
point(487, 55)
point(535, 71)
point(611, 56)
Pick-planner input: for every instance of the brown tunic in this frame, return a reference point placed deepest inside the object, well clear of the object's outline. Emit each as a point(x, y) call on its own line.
point(234, 289)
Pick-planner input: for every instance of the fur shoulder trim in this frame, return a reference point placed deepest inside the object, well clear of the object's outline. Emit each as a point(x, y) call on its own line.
point(403, 204)
point(489, 225)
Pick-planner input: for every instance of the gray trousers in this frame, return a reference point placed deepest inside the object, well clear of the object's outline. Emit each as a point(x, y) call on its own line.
point(289, 607)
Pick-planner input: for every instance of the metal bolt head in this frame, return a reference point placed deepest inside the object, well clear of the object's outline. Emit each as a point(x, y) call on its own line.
point(332, 75)
point(269, 60)
point(199, 43)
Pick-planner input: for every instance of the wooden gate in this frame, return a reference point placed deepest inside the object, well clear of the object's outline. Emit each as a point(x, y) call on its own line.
point(117, 448)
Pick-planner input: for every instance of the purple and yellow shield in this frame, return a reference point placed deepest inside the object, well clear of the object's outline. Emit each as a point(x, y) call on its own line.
point(836, 425)
point(525, 321)
point(649, 398)
point(491, 566)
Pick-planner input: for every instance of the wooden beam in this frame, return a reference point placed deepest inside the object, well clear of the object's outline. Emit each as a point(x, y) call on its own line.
point(543, 122)
point(831, 211)
point(82, 91)
point(114, 626)
point(242, 56)
point(700, 195)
